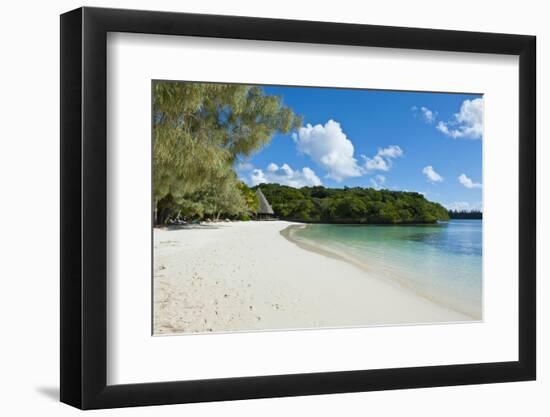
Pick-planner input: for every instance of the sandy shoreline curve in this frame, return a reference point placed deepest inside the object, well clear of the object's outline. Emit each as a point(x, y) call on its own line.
point(248, 276)
point(332, 253)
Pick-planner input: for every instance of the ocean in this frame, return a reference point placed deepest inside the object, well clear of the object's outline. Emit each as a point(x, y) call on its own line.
point(441, 262)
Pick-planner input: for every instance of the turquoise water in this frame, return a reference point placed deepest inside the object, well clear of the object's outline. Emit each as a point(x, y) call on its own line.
point(441, 262)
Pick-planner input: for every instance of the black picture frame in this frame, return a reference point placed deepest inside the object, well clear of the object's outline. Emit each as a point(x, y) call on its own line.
point(84, 207)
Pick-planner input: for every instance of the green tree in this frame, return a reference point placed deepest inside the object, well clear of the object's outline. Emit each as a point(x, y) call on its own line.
point(250, 198)
point(352, 205)
point(222, 196)
point(304, 210)
point(200, 130)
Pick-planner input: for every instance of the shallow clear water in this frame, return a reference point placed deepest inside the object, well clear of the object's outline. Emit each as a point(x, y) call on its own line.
point(442, 261)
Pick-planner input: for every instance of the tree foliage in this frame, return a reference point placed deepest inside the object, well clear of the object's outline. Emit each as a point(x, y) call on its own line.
point(200, 130)
point(465, 214)
point(351, 205)
point(250, 198)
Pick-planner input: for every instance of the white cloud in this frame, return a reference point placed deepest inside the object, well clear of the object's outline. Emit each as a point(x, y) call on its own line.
point(309, 177)
point(442, 127)
point(329, 147)
point(468, 123)
point(392, 151)
point(427, 115)
point(431, 174)
point(257, 177)
point(285, 175)
point(467, 182)
point(244, 166)
point(378, 181)
point(377, 163)
point(462, 206)
point(382, 161)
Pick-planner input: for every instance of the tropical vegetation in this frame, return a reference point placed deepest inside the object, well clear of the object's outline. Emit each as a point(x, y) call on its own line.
point(200, 131)
point(352, 205)
point(466, 214)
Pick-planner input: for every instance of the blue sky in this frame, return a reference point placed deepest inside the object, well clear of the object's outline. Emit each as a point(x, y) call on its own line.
point(425, 142)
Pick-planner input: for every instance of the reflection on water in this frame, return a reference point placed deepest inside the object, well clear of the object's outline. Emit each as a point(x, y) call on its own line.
point(458, 238)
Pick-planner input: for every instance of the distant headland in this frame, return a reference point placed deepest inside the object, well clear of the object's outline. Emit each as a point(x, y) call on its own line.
point(319, 204)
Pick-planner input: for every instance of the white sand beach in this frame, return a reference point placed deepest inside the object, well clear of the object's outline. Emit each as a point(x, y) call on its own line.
point(244, 276)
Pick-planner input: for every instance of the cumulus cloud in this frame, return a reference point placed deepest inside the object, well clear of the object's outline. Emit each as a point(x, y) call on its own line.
point(329, 147)
point(462, 206)
point(431, 174)
point(257, 176)
point(382, 161)
point(392, 151)
point(467, 123)
point(467, 182)
point(378, 181)
point(377, 163)
point(272, 167)
point(244, 166)
point(284, 175)
point(425, 113)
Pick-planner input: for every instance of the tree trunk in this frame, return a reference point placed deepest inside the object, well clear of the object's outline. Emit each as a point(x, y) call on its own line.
point(160, 217)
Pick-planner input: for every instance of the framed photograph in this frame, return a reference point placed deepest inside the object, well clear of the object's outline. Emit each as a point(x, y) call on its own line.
point(259, 208)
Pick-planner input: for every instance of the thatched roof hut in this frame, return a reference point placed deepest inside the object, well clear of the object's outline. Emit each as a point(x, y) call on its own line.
point(264, 207)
